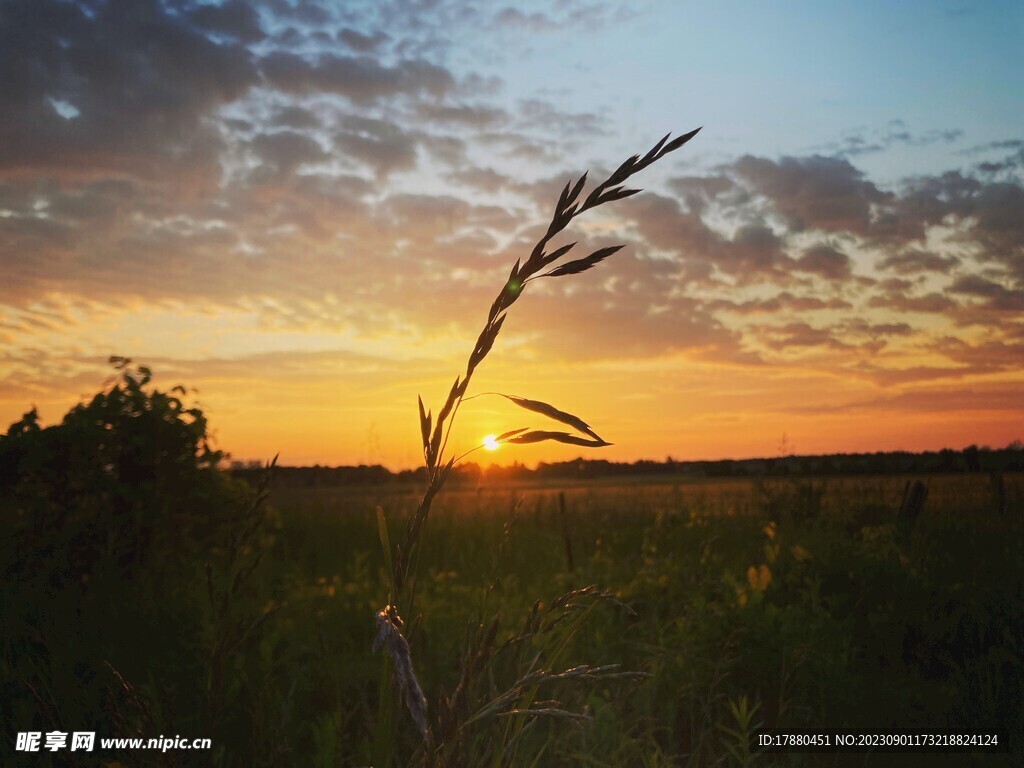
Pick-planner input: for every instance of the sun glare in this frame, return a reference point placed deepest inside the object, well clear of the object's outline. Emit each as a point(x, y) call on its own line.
point(491, 443)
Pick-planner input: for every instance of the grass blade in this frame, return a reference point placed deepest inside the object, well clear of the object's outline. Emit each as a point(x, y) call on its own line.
point(538, 436)
point(553, 413)
point(385, 544)
point(424, 423)
point(504, 436)
point(582, 265)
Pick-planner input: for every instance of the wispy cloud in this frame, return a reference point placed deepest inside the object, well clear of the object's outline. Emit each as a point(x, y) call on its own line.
point(894, 134)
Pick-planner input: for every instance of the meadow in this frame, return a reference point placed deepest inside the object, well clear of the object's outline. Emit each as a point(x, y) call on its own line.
point(784, 603)
point(777, 603)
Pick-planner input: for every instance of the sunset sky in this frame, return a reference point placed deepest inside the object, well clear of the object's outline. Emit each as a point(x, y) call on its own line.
point(303, 210)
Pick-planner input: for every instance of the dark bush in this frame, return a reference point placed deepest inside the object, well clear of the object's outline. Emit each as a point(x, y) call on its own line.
point(131, 466)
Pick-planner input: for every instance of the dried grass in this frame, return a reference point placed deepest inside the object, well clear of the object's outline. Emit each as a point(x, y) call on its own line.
point(435, 432)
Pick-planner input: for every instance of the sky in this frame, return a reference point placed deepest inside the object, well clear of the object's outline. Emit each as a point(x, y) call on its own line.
point(303, 210)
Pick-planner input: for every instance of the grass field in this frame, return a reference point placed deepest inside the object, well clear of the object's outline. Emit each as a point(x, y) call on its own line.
point(779, 603)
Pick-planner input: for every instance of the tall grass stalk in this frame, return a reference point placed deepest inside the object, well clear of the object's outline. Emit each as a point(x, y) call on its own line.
point(435, 432)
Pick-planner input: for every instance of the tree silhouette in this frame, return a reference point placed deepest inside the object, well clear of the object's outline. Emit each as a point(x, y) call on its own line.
point(130, 466)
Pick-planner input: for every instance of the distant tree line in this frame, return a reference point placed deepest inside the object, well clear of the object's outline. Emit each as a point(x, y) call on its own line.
point(947, 461)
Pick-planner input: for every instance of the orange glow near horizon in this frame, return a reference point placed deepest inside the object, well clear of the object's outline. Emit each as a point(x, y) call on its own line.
point(311, 231)
point(316, 408)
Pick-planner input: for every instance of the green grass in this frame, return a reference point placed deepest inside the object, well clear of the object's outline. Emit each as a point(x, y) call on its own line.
point(786, 604)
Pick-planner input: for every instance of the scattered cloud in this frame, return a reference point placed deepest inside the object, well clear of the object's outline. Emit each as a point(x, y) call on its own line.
point(814, 192)
point(362, 79)
point(995, 295)
point(826, 261)
point(566, 14)
point(380, 144)
point(534, 23)
point(894, 134)
point(357, 41)
point(139, 80)
point(235, 19)
point(310, 169)
point(915, 261)
point(281, 153)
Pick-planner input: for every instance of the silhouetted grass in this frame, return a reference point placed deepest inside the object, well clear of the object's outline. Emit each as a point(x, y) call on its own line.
point(445, 727)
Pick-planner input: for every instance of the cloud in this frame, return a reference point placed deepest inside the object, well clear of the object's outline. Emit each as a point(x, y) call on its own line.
point(928, 401)
point(463, 115)
point(989, 356)
point(534, 23)
point(863, 327)
point(317, 169)
point(931, 303)
point(817, 192)
point(784, 302)
point(1000, 226)
point(357, 41)
point(294, 116)
point(869, 141)
point(233, 18)
point(795, 335)
point(137, 79)
point(825, 261)
point(1014, 144)
point(637, 313)
point(284, 151)
point(664, 225)
point(381, 144)
point(483, 179)
point(566, 15)
point(545, 115)
point(915, 261)
point(362, 79)
point(34, 373)
point(307, 12)
point(696, 192)
point(995, 295)
point(755, 251)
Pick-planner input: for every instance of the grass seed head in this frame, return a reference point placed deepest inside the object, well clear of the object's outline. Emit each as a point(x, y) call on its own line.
point(389, 637)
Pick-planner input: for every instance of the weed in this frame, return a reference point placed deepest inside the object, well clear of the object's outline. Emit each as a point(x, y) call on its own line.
point(435, 432)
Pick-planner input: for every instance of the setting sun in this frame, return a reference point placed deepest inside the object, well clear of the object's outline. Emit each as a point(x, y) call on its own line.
point(491, 443)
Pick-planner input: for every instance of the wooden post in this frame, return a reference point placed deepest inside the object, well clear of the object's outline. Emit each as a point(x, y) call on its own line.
point(998, 493)
point(565, 532)
point(913, 501)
